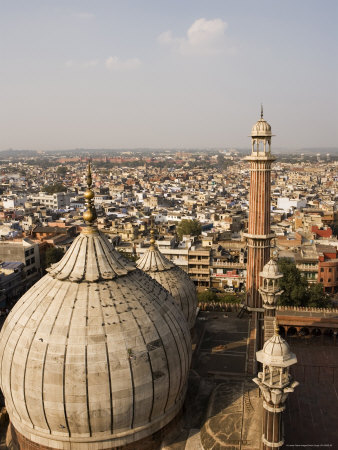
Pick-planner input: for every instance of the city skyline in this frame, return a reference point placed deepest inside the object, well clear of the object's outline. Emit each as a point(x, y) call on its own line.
point(167, 75)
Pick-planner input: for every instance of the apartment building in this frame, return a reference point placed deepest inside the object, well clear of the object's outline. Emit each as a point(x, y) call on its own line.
point(59, 200)
point(25, 251)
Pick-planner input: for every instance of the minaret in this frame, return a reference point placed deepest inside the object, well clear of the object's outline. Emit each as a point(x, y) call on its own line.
point(270, 291)
point(259, 235)
point(275, 383)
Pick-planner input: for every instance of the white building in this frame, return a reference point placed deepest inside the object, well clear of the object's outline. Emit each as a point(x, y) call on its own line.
point(13, 201)
point(287, 204)
point(59, 200)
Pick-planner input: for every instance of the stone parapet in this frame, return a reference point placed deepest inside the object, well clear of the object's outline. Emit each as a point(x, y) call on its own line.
point(307, 309)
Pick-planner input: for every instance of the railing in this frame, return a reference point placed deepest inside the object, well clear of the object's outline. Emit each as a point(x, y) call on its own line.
point(306, 268)
point(229, 264)
point(306, 309)
point(218, 306)
point(192, 271)
point(199, 261)
point(226, 275)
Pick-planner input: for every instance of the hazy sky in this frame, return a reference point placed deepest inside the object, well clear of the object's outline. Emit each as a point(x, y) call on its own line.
point(167, 73)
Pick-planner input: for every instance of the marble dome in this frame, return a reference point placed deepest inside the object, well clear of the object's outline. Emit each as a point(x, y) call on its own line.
point(173, 279)
point(96, 354)
point(261, 128)
point(271, 271)
point(276, 352)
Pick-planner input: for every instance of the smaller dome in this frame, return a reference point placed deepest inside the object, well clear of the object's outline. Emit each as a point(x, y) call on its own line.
point(271, 271)
point(173, 279)
point(261, 128)
point(276, 352)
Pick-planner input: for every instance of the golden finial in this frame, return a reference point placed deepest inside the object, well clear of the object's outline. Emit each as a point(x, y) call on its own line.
point(276, 327)
point(90, 213)
point(261, 110)
point(152, 238)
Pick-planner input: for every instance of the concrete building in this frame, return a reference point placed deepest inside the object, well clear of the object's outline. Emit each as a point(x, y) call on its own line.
point(11, 283)
point(25, 251)
point(288, 204)
point(59, 200)
point(328, 269)
point(199, 266)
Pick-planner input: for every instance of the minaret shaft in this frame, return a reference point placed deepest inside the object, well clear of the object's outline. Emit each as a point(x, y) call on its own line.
point(259, 234)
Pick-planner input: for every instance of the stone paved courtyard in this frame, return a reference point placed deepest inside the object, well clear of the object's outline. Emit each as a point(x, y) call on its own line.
point(219, 361)
point(312, 410)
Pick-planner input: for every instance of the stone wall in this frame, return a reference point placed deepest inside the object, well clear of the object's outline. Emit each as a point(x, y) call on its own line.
point(16, 441)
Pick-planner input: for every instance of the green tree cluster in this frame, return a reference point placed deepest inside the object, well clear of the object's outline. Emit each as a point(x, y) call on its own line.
point(297, 291)
point(186, 226)
point(223, 163)
point(62, 170)
point(54, 188)
point(129, 256)
point(210, 296)
point(53, 255)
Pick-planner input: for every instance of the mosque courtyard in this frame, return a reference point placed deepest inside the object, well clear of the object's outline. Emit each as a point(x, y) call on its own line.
point(223, 408)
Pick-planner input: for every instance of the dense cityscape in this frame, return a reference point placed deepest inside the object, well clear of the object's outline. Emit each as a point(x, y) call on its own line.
point(168, 225)
point(42, 204)
point(257, 244)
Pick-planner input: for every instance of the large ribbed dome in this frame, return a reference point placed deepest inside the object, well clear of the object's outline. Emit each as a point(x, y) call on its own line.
point(96, 354)
point(173, 279)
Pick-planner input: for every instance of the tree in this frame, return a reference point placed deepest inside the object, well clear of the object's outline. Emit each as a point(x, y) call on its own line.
point(222, 162)
point(62, 170)
point(129, 256)
point(207, 296)
point(317, 297)
point(54, 188)
point(297, 292)
point(293, 284)
point(53, 255)
point(186, 226)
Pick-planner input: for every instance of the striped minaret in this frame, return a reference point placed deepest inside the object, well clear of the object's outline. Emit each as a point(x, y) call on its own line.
point(259, 234)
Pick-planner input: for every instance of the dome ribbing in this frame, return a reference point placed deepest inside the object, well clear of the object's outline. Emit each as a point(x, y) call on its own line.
point(96, 354)
point(173, 279)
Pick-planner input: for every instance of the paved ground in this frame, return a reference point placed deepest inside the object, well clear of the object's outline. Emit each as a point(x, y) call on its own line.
point(215, 400)
point(312, 410)
point(222, 348)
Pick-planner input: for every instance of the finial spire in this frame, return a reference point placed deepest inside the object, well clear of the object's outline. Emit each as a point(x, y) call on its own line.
point(276, 327)
point(90, 213)
point(152, 235)
point(152, 238)
point(261, 110)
